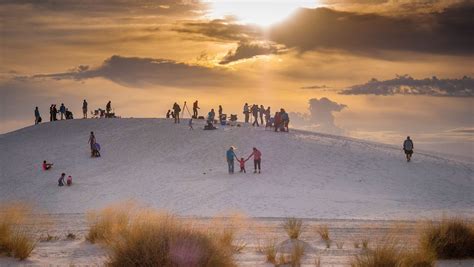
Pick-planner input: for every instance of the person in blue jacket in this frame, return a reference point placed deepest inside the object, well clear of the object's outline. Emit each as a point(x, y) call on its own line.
point(62, 110)
point(230, 155)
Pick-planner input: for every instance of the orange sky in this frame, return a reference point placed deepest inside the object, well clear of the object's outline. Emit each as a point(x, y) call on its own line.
point(145, 55)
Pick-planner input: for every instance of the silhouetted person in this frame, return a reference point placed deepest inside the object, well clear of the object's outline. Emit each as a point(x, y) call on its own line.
point(55, 112)
point(92, 142)
point(408, 148)
point(62, 110)
point(84, 109)
point(261, 112)
point(177, 110)
point(254, 111)
point(246, 112)
point(108, 107)
point(220, 111)
point(195, 109)
point(285, 120)
point(61, 179)
point(51, 113)
point(268, 115)
point(37, 116)
point(277, 121)
point(168, 114)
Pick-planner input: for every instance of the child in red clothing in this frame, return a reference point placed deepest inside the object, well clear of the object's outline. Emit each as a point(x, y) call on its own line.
point(47, 166)
point(69, 180)
point(242, 164)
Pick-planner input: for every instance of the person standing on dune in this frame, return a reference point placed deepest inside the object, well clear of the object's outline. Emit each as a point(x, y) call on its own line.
point(195, 110)
point(257, 159)
point(408, 148)
point(246, 112)
point(177, 110)
point(84, 109)
point(37, 116)
point(230, 155)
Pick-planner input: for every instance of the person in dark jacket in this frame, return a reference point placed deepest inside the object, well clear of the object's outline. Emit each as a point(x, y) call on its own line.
point(61, 179)
point(254, 111)
point(62, 110)
point(37, 116)
point(168, 114)
point(176, 111)
point(55, 112)
point(51, 113)
point(195, 109)
point(408, 148)
point(84, 109)
point(277, 121)
point(108, 107)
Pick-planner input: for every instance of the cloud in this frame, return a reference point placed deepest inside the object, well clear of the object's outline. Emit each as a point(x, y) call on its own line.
point(222, 30)
point(450, 31)
point(320, 116)
point(311, 87)
point(143, 72)
point(249, 50)
point(406, 85)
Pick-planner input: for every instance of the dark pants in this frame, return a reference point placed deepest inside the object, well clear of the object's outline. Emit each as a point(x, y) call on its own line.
point(246, 117)
point(195, 113)
point(256, 164)
point(242, 169)
point(255, 120)
point(176, 117)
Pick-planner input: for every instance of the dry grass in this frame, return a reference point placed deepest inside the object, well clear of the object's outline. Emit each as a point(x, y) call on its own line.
point(317, 262)
point(356, 244)
point(147, 238)
point(270, 252)
point(293, 227)
point(297, 255)
point(365, 244)
point(323, 232)
point(449, 239)
point(339, 244)
point(15, 238)
point(391, 254)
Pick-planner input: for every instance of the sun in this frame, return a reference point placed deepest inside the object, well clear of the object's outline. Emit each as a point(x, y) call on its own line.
point(261, 12)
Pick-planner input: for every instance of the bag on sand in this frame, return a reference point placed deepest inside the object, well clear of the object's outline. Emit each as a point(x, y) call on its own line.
point(40, 119)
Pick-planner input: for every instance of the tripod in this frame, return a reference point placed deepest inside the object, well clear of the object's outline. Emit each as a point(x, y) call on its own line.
point(185, 107)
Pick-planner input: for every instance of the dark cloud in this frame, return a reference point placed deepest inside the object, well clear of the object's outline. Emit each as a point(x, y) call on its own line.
point(406, 85)
point(142, 72)
point(315, 87)
point(468, 131)
point(248, 50)
point(448, 32)
point(320, 116)
point(222, 30)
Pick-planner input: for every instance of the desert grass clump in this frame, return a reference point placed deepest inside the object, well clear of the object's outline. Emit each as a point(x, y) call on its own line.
point(293, 227)
point(386, 255)
point(141, 237)
point(16, 240)
point(323, 232)
point(449, 239)
point(297, 254)
point(365, 244)
point(105, 224)
point(270, 252)
point(339, 244)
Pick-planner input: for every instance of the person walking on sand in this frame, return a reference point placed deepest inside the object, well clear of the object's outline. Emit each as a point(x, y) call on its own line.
point(257, 159)
point(246, 112)
point(108, 107)
point(92, 142)
point(230, 155)
point(195, 109)
point(176, 110)
point(37, 116)
point(408, 148)
point(242, 164)
point(261, 113)
point(84, 109)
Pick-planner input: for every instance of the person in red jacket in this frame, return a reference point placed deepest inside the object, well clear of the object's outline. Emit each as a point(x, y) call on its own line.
point(277, 121)
point(257, 159)
point(242, 164)
point(47, 166)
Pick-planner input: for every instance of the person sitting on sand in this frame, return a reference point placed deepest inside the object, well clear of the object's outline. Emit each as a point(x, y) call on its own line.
point(69, 180)
point(61, 179)
point(242, 164)
point(46, 165)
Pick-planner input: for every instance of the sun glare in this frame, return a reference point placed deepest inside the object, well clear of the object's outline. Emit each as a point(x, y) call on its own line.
point(260, 12)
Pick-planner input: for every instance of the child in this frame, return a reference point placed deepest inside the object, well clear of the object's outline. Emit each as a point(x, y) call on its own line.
point(191, 124)
point(47, 166)
point(242, 164)
point(61, 179)
point(69, 180)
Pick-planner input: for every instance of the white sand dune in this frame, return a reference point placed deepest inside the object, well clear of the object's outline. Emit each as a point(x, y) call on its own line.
point(170, 167)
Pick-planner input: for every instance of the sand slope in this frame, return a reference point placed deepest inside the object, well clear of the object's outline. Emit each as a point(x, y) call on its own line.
point(168, 166)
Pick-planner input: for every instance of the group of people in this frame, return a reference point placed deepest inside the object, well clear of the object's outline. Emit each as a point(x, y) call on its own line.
point(257, 160)
point(62, 179)
point(65, 113)
point(280, 121)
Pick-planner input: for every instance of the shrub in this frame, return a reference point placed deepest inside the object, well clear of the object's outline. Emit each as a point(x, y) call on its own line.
point(449, 239)
point(293, 227)
point(15, 239)
point(270, 252)
point(323, 232)
point(146, 238)
point(297, 255)
point(386, 255)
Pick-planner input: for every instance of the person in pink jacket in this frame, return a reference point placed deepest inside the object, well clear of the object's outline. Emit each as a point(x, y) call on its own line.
point(257, 159)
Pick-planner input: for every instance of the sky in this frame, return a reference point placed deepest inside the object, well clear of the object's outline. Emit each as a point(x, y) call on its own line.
point(378, 70)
